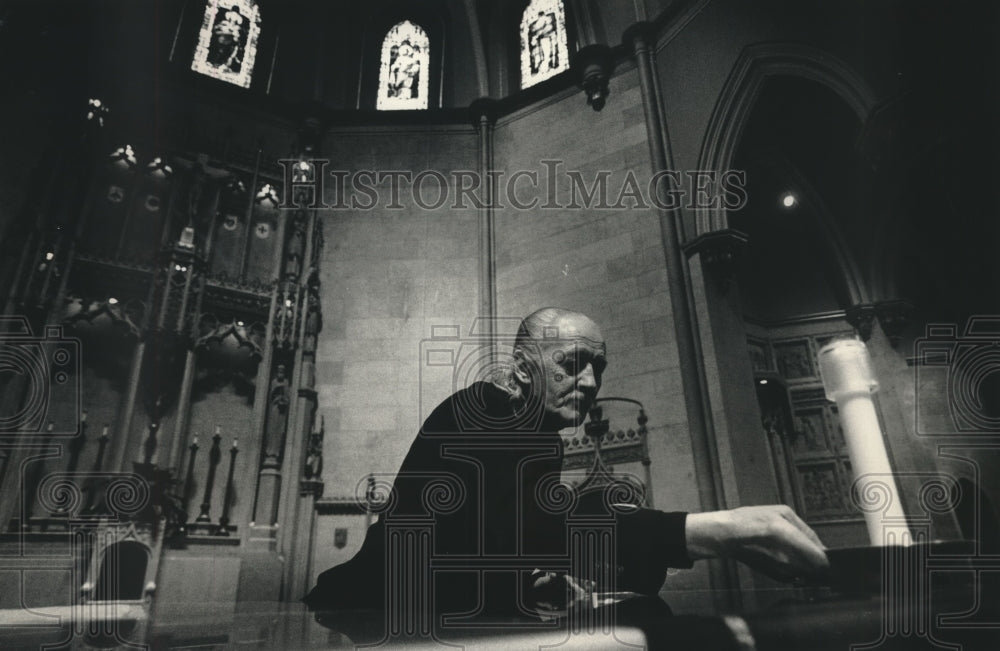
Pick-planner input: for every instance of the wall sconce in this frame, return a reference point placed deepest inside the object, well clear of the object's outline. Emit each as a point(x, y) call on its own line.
point(124, 156)
point(186, 240)
point(159, 168)
point(593, 65)
point(97, 111)
point(267, 193)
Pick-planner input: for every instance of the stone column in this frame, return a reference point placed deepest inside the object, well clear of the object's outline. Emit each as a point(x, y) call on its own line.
point(483, 115)
point(708, 473)
point(268, 478)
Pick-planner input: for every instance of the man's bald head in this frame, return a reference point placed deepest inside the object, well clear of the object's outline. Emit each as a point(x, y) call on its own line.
point(556, 323)
point(559, 357)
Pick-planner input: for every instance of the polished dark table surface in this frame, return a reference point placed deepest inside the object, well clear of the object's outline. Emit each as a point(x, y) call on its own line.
point(952, 602)
point(829, 622)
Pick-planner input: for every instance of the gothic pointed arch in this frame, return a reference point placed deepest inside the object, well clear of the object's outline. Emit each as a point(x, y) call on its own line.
point(755, 65)
point(807, 202)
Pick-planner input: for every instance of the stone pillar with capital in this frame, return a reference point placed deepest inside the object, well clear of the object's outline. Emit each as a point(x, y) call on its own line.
point(696, 364)
point(482, 114)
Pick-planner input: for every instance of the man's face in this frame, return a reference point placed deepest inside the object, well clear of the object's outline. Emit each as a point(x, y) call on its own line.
point(572, 364)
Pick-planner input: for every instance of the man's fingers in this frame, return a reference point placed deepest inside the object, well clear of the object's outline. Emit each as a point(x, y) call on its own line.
point(578, 592)
point(770, 538)
point(555, 592)
point(793, 517)
point(803, 551)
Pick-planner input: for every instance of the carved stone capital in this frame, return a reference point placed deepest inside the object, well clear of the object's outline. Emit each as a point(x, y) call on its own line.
point(484, 107)
point(720, 253)
point(894, 316)
point(311, 488)
point(638, 36)
point(862, 317)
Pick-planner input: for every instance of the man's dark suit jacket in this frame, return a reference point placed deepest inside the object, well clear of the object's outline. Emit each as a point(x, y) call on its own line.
point(486, 477)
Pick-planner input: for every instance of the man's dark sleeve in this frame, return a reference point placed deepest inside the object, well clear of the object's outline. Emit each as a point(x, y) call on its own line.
point(648, 542)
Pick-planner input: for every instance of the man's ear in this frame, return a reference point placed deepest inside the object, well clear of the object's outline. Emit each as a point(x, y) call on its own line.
point(520, 366)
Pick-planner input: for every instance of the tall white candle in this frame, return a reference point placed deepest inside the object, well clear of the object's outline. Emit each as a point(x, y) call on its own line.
point(849, 381)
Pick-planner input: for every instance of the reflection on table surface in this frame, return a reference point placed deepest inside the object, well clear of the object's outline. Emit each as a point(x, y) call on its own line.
point(956, 609)
point(269, 625)
point(644, 623)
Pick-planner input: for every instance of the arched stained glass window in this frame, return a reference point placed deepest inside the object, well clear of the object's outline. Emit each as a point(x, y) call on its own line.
point(544, 44)
point(227, 41)
point(404, 70)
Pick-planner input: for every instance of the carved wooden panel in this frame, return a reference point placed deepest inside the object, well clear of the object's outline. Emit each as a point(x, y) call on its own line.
point(760, 354)
point(811, 426)
point(814, 454)
point(795, 360)
point(820, 489)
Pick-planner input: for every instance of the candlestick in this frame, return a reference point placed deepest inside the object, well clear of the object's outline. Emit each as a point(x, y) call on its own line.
point(101, 444)
point(189, 477)
point(214, 456)
point(90, 485)
point(150, 446)
point(223, 529)
point(76, 445)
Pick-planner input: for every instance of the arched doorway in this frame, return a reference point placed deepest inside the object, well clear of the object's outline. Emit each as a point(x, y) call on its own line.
point(798, 280)
point(122, 572)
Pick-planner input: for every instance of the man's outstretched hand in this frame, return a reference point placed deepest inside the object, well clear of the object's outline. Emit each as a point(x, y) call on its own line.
point(771, 539)
point(553, 594)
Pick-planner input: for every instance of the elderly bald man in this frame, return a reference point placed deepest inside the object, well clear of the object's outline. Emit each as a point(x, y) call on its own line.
point(500, 440)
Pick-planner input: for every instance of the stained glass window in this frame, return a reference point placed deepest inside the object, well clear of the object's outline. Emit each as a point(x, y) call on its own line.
point(227, 42)
point(544, 44)
point(405, 63)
